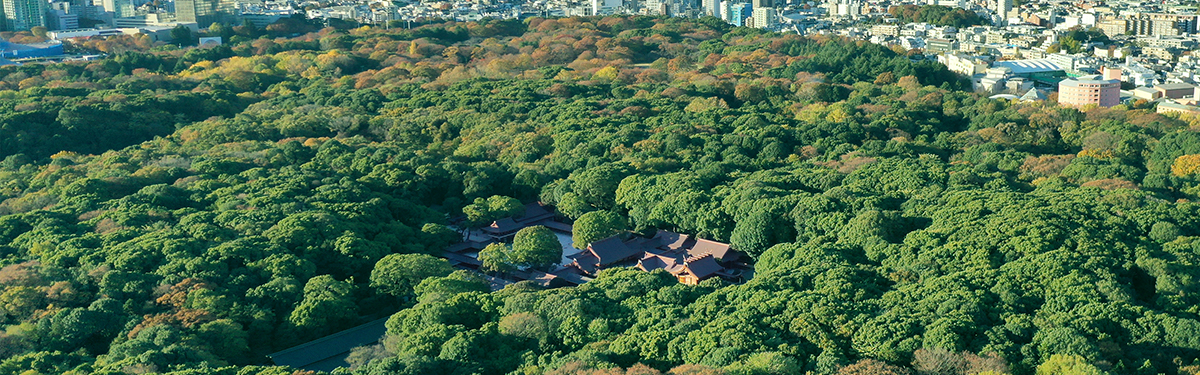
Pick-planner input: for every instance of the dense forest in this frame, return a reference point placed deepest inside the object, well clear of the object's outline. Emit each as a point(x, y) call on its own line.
point(190, 211)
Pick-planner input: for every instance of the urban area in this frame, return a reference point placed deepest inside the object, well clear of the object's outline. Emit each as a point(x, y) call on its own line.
point(1083, 52)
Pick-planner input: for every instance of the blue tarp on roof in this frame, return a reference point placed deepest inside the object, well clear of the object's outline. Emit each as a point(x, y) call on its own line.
point(20, 51)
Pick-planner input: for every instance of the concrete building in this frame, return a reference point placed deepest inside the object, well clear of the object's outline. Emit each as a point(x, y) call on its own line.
point(941, 45)
point(738, 13)
point(1065, 61)
point(1089, 90)
point(204, 12)
point(1114, 27)
point(1110, 52)
point(145, 20)
point(994, 80)
point(1163, 24)
point(20, 15)
point(885, 30)
point(1174, 90)
point(1034, 69)
point(963, 64)
point(1003, 7)
point(764, 18)
point(61, 20)
point(118, 8)
point(82, 33)
point(1018, 85)
point(710, 7)
point(1111, 73)
point(1173, 107)
point(1165, 53)
point(1145, 93)
point(264, 18)
point(85, 9)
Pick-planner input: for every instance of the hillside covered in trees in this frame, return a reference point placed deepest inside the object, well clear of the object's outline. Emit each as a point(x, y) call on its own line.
point(190, 211)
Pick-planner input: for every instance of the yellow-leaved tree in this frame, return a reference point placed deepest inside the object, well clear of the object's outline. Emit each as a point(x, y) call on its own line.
point(1186, 165)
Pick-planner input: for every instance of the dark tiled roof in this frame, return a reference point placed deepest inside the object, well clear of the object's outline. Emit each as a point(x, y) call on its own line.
point(671, 240)
point(572, 275)
point(717, 249)
point(504, 225)
point(586, 262)
point(548, 280)
point(611, 250)
point(652, 261)
point(533, 212)
point(702, 266)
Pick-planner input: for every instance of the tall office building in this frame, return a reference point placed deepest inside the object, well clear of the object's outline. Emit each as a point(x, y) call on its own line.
point(84, 9)
point(1003, 7)
point(24, 14)
point(204, 12)
point(711, 7)
point(738, 13)
point(118, 8)
point(764, 17)
point(761, 4)
point(60, 18)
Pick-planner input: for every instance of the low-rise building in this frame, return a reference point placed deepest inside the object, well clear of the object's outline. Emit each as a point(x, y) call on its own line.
point(504, 229)
point(941, 45)
point(34, 50)
point(1174, 90)
point(1145, 93)
point(1165, 53)
point(964, 64)
point(1173, 107)
point(1114, 27)
point(690, 260)
point(886, 30)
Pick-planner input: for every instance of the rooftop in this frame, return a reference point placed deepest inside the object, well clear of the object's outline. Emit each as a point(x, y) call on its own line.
point(329, 352)
point(1029, 66)
point(1090, 80)
point(1174, 86)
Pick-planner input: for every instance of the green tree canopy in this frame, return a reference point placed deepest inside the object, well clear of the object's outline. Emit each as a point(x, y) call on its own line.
point(397, 274)
point(536, 247)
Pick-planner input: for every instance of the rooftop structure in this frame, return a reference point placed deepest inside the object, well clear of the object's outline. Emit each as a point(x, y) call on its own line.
point(1174, 90)
point(1022, 67)
point(1033, 96)
point(691, 260)
point(330, 352)
point(1172, 107)
point(22, 51)
point(507, 227)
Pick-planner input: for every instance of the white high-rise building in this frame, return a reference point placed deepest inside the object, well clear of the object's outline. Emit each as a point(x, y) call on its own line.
point(711, 7)
point(119, 8)
point(1003, 7)
point(764, 17)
